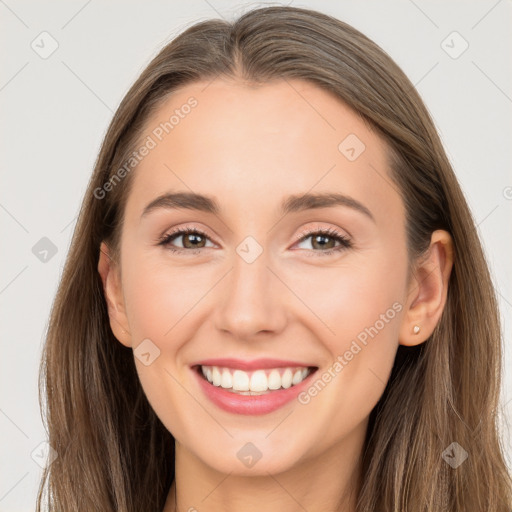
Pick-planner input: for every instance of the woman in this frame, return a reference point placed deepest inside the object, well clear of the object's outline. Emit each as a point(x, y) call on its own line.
point(275, 296)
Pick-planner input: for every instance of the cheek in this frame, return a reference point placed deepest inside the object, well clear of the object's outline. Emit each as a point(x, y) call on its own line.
point(348, 299)
point(157, 296)
point(357, 310)
point(158, 299)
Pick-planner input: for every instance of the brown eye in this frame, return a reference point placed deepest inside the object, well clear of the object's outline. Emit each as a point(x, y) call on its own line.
point(319, 241)
point(193, 240)
point(325, 242)
point(190, 239)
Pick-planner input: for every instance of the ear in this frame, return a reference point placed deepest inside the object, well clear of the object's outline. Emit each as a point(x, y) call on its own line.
point(112, 289)
point(428, 291)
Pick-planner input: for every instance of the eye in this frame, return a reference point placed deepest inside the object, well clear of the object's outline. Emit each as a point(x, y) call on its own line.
point(325, 239)
point(192, 238)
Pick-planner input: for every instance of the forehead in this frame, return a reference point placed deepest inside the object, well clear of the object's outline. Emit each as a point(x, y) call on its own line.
point(240, 142)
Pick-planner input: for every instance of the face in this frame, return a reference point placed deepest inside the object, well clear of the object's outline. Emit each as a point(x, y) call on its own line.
point(314, 293)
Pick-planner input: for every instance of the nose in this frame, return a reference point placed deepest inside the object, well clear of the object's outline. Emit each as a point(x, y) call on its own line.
point(251, 300)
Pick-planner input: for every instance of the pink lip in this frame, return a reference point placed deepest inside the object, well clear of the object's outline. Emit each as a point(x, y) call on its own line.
point(247, 404)
point(255, 364)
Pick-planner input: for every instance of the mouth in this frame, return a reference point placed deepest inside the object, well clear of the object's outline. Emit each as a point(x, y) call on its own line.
point(255, 387)
point(255, 382)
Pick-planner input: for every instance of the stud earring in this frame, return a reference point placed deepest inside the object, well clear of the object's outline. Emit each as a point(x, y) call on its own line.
point(416, 329)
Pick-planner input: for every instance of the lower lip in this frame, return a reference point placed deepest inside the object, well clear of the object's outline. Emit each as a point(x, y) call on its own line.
point(250, 404)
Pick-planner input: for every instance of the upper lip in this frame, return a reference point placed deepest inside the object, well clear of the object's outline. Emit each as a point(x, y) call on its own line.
point(254, 364)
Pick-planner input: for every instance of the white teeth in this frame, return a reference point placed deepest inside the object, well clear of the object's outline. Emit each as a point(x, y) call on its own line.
point(240, 380)
point(257, 382)
point(216, 376)
point(274, 380)
point(297, 377)
point(227, 380)
point(286, 379)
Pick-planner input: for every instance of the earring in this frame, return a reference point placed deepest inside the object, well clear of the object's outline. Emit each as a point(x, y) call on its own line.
point(416, 329)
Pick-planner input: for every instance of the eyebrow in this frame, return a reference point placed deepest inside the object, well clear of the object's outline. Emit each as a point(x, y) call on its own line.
point(291, 204)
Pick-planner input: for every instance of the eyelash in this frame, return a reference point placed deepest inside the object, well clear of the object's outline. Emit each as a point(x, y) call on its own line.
point(345, 243)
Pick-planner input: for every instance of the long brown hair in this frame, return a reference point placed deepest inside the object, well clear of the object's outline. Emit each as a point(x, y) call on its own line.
point(113, 451)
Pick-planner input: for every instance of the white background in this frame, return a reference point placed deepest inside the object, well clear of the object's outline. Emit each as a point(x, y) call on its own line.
point(54, 113)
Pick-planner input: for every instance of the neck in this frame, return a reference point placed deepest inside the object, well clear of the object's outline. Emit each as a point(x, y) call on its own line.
point(326, 482)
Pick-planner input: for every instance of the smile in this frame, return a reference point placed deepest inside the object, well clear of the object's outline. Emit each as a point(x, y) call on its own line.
point(256, 382)
point(257, 387)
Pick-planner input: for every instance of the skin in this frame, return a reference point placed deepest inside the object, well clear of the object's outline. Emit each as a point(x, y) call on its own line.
point(250, 147)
